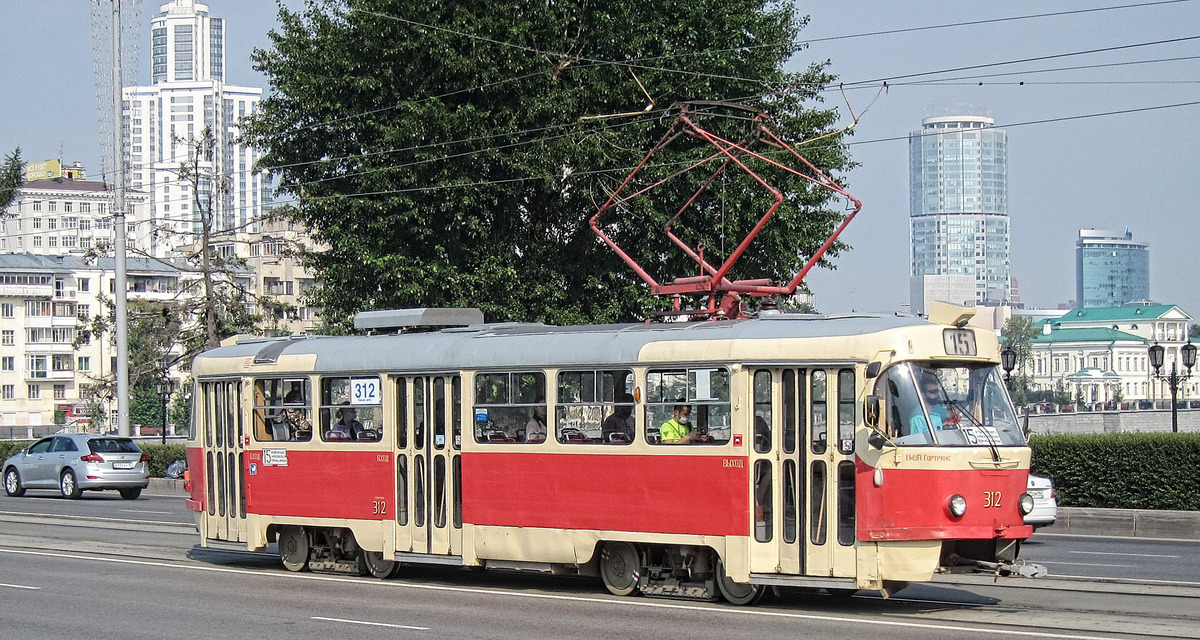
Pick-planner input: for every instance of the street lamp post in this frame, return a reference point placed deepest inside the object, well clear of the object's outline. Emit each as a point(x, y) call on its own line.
point(165, 387)
point(1008, 360)
point(1157, 351)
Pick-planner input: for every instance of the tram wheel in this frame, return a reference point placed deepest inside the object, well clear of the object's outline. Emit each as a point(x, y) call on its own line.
point(738, 593)
point(378, 566)
point(293, 548)
point(620, 567)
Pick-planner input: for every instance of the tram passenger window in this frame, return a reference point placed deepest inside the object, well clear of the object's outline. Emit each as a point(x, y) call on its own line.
point(595, 407)
point(281, 409)
point(705, 393)
point(510, 407)
point(401, 413)
point(351, 409)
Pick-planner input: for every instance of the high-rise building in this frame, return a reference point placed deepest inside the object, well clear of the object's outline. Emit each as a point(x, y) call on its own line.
point(187, 95)
point(958, 212)
point(1110, 269)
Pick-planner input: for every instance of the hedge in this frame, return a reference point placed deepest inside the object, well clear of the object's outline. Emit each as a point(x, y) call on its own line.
point(1121, 470)
point(158, 456)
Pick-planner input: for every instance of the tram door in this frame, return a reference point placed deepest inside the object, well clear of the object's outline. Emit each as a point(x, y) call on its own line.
point(428, 465)
point(803, 471)
point(224, 459)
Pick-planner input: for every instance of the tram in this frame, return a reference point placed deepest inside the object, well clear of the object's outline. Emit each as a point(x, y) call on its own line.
point(837, 452)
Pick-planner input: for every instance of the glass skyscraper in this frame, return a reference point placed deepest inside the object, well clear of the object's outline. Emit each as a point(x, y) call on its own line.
point(1110, 269)
point(958, 212)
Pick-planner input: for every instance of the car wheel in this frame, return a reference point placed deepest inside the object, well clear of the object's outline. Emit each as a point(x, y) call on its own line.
point(68, 485)
point(12, 483)
point(131, 494)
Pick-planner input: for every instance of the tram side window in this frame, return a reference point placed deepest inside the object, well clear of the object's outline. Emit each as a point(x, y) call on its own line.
point(281, 409)
point(351, 409)
point(846, 406)
point(510, 407)
point(701, 393)
point(595, 406)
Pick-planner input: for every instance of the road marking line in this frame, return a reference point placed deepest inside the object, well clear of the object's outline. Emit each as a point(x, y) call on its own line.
point(1087, 564)
point(1169, 583)
point(373, 624)
point(546, 596)
point(1085, 536)
point(1131, 555)
point(144, 511)
point(20, 586)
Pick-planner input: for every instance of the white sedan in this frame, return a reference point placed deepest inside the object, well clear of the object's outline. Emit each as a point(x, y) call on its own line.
point(1045, 506)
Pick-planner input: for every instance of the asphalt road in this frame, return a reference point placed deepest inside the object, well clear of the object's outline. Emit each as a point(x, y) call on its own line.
point(102, 567)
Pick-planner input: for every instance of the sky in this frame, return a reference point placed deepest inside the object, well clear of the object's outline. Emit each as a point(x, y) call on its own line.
point(1069, 168)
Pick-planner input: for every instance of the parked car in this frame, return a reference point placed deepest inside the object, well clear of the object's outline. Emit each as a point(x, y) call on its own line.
point(78, 462)
point(1045, 505)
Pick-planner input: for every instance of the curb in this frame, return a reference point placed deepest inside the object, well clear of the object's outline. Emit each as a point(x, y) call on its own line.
point(165, 487)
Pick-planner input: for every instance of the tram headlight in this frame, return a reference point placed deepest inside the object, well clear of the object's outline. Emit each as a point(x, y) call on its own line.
point(1025, 504)
point(957, 505)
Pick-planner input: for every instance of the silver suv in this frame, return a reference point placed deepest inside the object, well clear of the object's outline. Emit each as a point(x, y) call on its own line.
point(78, 462)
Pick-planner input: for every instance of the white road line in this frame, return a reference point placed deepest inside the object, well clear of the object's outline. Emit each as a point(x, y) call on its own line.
point(1171, 583)
point(1084, 536)
point(397, 584)
point(144, 511)
point(372, 624)
point(1131, 555)
point(20, 586)
point(1087, 564)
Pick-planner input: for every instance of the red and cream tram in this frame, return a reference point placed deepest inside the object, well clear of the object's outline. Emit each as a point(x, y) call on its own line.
point(848, 452)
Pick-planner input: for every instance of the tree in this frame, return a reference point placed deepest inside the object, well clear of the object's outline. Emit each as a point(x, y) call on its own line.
point(451, 153)
point(12, 176)
point(1018, 334)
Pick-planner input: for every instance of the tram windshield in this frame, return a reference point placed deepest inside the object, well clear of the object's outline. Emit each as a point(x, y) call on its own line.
point(948, 405)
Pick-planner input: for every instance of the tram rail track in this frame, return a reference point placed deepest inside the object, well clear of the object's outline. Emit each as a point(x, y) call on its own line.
point(1062, 607)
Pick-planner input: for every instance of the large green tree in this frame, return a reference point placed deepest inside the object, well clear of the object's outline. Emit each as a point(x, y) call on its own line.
point(451, 153)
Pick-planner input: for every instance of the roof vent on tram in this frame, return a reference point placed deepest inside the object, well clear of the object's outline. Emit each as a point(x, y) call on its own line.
point(424, 319)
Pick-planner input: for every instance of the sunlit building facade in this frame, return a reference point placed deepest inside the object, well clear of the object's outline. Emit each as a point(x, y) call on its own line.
point(958, 211)
point(1110, 269)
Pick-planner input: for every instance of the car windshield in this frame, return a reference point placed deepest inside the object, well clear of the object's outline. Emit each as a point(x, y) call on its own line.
point(948, 404)
point(112, 445)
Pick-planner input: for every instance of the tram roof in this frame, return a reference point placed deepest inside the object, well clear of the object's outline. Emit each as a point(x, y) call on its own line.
point(538, 345)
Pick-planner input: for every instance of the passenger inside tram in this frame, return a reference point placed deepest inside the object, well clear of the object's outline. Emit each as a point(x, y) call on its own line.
point(295, 417)
point(678, 430)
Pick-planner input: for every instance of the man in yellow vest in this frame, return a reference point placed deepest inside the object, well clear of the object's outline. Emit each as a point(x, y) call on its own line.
point(678, 430)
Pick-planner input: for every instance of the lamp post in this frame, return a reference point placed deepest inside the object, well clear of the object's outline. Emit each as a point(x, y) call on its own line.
point(1157, 351)
point(165, 387)
point(1008, 360)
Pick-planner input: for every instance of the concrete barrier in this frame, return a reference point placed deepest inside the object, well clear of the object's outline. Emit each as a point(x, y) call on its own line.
point(1133, 523)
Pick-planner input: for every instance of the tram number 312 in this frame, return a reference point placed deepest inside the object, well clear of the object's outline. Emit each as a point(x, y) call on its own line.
point(379, 507)
point(991, 499)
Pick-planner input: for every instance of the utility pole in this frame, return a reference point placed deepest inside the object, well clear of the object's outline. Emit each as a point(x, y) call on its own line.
point(122, 319)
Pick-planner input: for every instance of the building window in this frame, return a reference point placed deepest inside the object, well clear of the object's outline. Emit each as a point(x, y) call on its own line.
point(8, 363)
point(53, 244)
point(35, 391)
point(7, 310)
point(85, 207)
point(52, 206)
point(60, 391)
point(68, 207)
point(84, 284)
point(37, 206)
point(37, 241)
point(8, 392)
point(84, 363)
point(37, 222)
point(6, 337)
point(37, 367)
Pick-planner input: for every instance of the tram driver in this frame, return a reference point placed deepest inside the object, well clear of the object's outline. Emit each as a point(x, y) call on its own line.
point(678, 430)
point(932, 399)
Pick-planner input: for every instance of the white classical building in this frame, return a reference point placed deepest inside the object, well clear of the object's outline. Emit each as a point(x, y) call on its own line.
point(188, 94)
point(1104, 352)
point(68, 214)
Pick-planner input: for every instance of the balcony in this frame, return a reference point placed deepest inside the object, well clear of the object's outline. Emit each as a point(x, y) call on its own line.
point(49, 376)
point(26, 290)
